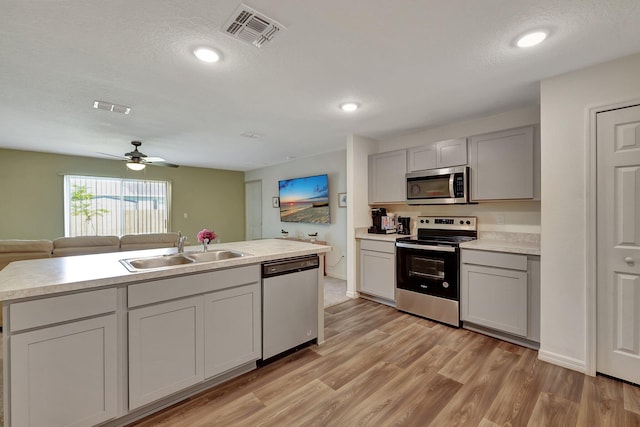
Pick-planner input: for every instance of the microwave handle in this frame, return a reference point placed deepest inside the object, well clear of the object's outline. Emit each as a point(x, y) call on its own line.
point(451, 181)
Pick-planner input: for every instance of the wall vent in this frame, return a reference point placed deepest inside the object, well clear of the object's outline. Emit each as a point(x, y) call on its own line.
point(250, 26)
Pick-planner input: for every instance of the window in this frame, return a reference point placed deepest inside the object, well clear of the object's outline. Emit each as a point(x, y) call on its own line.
point(96, 206)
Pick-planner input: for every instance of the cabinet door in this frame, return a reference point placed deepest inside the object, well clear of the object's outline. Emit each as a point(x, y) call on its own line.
point(65, 375)
point(502, 165)
point(387, 180)
point(165, 349)
point(232, 332)
point(452, 152)
point(377, 274)
point(422, 158)
point(495, 298)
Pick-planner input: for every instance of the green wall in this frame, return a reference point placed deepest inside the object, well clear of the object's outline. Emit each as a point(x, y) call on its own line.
point(32, 187)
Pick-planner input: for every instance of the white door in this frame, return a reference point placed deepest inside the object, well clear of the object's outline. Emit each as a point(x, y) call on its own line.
point(253, 208)
point(618, 288)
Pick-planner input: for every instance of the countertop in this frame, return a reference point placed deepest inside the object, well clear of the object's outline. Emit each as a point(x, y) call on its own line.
point(518, 243)
point(361, 233)
point(33, 278)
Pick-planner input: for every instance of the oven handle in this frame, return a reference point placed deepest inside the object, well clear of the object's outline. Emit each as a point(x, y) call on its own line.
point(425, 247)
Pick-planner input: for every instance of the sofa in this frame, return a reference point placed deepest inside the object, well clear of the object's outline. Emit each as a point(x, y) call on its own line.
point(18, 250)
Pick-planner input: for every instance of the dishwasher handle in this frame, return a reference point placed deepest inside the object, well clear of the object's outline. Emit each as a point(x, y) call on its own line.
point(291, 265)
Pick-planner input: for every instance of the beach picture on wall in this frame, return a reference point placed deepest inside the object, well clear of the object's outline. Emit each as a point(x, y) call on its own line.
point(305, 200)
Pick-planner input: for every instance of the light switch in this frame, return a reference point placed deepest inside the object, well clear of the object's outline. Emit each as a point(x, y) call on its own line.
point(185, 215)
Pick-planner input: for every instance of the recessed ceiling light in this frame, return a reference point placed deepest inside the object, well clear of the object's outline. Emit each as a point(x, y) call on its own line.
point(531, 39)
point(349, 106)
point(206, 54)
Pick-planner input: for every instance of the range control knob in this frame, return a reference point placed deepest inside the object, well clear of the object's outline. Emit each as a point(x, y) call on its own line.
point(468, 222)
point(461, 222)
point(427, 221)
point(422, 221)
point(445, 285)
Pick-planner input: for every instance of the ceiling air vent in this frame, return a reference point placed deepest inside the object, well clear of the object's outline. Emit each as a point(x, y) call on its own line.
point(251, 26)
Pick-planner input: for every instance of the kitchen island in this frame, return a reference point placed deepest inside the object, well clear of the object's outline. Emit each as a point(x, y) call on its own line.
point(87, 342)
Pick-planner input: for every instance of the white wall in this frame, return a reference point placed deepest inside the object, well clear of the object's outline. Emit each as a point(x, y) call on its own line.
point(334, 165)
point(566, 338)
point(358, 215)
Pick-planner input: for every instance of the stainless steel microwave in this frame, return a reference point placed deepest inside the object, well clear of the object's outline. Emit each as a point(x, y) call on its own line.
point(438, 186)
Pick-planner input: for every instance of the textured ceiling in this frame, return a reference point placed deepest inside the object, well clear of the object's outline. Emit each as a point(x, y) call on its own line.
point(411, 64)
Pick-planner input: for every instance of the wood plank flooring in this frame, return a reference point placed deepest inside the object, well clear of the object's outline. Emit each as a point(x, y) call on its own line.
point(380, 367)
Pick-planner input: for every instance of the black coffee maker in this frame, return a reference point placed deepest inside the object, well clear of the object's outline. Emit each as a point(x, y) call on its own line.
point(376, 216)
point(404, 225)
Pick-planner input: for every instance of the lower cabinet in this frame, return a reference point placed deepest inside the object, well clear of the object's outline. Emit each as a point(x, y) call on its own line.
point(501, 291)
point(231, 328)
point(179, 343)
point(378, 268)
point(165, 349)
point(65, 375)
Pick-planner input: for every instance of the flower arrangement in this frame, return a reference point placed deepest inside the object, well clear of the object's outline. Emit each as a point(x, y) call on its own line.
point(205, 236)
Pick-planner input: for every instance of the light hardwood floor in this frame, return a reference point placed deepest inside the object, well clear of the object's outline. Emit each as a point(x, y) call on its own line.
point(380, 367)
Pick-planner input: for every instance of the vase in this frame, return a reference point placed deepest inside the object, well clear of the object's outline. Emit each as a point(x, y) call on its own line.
point(205, 242)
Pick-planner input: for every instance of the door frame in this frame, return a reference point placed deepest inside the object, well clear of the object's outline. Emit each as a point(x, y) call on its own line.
point(591, 253)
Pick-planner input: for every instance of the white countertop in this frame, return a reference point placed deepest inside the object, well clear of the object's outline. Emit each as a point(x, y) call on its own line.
point(33, 278)
point(361, 233)
point(518, 243)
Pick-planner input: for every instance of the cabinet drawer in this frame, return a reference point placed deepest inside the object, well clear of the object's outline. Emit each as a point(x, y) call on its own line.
point(184, 286)
point(378, 246)
point(46, 311)
point(495, 259)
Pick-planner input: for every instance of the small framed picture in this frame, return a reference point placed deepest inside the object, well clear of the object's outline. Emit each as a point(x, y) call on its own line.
point(275, 202)
point(342, 200)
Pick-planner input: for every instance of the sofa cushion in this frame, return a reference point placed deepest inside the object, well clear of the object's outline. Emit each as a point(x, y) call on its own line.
point(131, 242)
point(82, 245)
point(17, 250)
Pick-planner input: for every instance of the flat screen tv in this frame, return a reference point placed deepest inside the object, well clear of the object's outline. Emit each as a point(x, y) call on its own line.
point(305, 200)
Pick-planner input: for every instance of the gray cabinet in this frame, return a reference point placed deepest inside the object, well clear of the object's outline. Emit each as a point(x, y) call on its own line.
point(231, 328)
point(186, 329)
point(387, 177)
point(64, 375)
point(377, 268)
point(501, 291)
point(442, 154)
point(502, 165)
point(165, 349)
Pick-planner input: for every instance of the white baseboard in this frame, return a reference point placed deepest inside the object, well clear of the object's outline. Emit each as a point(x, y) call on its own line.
point(336, 275)
point(351, 294)
point(564, 361)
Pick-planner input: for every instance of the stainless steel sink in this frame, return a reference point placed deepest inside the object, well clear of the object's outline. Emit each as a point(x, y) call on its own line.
point(218, 255)
point(163, 262)
point(155, 262)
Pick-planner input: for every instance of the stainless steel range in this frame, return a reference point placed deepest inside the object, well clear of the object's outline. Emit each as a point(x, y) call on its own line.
point(428, 268)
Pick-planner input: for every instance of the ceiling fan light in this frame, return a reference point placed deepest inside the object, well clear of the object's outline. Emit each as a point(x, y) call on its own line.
point(135, 166)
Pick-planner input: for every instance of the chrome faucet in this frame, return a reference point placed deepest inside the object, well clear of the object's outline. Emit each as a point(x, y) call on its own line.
point(181, 240)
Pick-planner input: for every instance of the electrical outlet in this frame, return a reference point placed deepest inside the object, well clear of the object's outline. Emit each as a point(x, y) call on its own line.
point(499, 219)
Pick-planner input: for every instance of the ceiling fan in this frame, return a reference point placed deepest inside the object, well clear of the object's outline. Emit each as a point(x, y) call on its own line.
point(136, 160)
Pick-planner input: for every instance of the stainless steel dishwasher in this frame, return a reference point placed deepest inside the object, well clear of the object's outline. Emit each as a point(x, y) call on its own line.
point(289, 304)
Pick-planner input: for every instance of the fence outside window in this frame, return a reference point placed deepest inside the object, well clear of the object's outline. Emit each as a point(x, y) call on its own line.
point(98, 206)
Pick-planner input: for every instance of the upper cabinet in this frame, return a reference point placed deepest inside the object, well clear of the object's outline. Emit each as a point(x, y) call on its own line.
point(387, 177)
point(503, 165)
point(442, 154)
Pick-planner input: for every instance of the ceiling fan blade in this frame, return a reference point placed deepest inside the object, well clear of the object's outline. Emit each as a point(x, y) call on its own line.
point(154, 159)
point(163, 164)
point(112, 155)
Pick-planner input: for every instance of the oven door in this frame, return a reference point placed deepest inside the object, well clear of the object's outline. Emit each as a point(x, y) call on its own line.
point(431, 270)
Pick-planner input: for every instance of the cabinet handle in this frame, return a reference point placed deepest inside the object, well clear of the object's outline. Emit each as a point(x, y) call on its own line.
point(629, 260)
